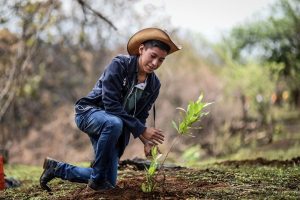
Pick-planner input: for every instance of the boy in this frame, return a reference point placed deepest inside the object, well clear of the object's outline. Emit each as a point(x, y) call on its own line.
point(118, 105)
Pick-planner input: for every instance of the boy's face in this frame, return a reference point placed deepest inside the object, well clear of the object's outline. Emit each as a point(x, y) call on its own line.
point(150, 58)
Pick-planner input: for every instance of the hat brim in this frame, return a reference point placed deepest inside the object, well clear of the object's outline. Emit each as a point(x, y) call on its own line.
point(150, 34)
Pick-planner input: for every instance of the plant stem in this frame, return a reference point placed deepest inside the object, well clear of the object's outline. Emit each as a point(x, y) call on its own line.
point(173, 143)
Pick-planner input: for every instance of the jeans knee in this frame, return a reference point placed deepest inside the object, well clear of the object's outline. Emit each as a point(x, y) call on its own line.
point(117, 125)
point(79, 121)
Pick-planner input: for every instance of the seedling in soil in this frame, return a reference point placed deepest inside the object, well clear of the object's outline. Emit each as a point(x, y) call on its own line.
point(150, 183)
point(192, 114)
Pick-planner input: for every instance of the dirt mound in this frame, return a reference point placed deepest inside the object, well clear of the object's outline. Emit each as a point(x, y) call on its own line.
point(174, 184)
point(250, 181)
point(263, 162)
point(141, 164)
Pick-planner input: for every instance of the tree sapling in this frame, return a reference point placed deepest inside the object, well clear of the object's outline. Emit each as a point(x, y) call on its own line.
point(192, 114)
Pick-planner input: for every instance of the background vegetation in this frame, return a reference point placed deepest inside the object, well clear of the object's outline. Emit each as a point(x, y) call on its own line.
point(52, 52)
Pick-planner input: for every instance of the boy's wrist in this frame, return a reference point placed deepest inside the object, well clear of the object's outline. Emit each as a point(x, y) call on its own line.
point(144, 140)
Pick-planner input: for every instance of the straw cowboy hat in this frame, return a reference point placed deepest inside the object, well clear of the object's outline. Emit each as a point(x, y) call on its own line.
point(149, 34)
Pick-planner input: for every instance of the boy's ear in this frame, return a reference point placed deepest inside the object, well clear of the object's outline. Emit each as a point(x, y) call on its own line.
point(141, 48)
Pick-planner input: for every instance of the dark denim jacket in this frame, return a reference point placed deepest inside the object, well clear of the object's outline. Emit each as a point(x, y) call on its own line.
point(111, 89)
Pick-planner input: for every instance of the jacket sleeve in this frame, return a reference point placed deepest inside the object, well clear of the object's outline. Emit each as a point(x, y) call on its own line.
point(112, 81)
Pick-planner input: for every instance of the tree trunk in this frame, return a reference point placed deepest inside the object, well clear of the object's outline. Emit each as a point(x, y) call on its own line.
point(295, 97)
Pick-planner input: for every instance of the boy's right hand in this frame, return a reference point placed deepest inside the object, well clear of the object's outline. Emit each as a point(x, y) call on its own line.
point(154, 135)
point(147, 149)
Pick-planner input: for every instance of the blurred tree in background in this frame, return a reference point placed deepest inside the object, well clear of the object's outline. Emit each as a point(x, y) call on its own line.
point(53, 51)
point(19, 80)
point(276, 40)
point(261, 68)
point(43, 42)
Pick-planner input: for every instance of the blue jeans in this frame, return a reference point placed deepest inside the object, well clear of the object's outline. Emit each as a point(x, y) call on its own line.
point(104, 131)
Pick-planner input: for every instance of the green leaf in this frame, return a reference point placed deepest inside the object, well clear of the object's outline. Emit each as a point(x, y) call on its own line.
point(193, 113)
point(154, 151)
point(145, 188)
point(175, 125)
point(152, 170)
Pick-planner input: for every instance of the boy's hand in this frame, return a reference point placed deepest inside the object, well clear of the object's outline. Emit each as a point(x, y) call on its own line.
point(154, 135)
point(147, 149)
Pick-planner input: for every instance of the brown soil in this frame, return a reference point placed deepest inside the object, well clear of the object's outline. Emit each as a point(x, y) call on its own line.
point(172, 183)
point(177, 185)
point(216, 182)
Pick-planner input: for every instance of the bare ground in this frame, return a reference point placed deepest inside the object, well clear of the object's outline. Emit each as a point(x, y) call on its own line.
point(245, 179)
point(211, 183)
